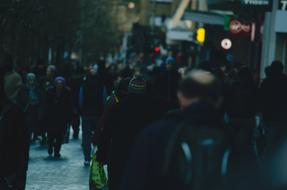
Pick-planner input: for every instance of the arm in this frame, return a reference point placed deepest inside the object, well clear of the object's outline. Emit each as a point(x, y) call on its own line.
point(81, 98)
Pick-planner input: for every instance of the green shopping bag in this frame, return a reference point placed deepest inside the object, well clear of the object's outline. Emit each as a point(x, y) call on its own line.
point(98, 178)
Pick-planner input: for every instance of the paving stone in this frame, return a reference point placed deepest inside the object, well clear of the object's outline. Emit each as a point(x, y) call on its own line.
point(67, 173)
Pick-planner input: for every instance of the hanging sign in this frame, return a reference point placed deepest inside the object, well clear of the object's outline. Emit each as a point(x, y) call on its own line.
point(238, 27)
point(263, 5)
point(256, 2)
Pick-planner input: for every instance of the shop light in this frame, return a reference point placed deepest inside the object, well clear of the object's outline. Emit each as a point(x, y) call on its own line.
point(226, 44)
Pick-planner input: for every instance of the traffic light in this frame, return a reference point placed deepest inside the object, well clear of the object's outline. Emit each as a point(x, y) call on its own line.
point(156, 49)
point(200, 35)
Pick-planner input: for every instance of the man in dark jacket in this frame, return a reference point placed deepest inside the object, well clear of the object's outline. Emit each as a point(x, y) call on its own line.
point(199, 96)
point(91, 98)
point(14, 137)
point(58, 115)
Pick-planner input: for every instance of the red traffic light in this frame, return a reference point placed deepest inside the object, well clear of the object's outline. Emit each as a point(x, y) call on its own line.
point(156, 49)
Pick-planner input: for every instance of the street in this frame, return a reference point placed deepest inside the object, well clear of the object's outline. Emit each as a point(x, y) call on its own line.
point(68, 173)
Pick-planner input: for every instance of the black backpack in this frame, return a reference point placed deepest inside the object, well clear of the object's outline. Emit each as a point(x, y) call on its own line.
point(196, 158)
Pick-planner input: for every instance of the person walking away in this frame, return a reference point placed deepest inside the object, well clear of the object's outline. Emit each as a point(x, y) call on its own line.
point(102, 138)
point(59, 111)
point(47, 82)
point(241, 105)
point(273, 92)
point(91, 98)
point(14, 134)
point(32, 113)
point(130, 116)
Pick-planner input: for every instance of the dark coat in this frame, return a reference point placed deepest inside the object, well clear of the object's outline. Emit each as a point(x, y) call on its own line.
point(92, 96)
point(144, 170)
point(14, 140)
point(58, 110)
point(145, 163)
point(126, 121)
point(273, 93)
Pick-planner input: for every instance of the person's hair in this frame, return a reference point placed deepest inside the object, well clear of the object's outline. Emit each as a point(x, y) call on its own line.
point(52, 68)
point(200, 84)
point(277, 67)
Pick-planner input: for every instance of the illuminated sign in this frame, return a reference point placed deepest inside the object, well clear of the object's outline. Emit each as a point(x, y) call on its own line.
point(226, 44)
point(263, 5)
point(256, 2)
point(237, 27)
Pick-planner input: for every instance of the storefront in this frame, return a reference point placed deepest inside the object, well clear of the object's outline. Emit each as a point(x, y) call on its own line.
point(275, 35)
point(281, 30)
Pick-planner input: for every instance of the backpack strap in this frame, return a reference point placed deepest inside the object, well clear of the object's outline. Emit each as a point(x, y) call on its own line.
point(175, 142)
point(184, 147)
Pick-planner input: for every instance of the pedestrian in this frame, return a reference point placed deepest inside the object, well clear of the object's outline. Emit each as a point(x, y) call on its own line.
point(45, 83)
point(32, 112)
point(241, 108)
point(102, 139)
point(59, 111)
point(14, 134)
point(130, 116)
point(273, 93)
point(91, 98)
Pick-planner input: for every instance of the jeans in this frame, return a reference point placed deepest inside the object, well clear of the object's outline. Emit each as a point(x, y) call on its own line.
point(88, 128)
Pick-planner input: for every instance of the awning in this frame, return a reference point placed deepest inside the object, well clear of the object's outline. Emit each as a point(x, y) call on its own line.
point(205, 17)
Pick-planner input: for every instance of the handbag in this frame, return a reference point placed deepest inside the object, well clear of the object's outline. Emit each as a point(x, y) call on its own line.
point(98, 178)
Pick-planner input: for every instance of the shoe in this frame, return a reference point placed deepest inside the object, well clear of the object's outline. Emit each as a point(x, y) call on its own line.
point(57, 155)
point(87, 163)
point(50, 151)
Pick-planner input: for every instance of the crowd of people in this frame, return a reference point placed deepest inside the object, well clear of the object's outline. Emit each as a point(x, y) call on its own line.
point(156, 126)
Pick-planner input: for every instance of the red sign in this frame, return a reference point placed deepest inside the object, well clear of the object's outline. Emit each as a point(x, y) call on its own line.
point(238, 27)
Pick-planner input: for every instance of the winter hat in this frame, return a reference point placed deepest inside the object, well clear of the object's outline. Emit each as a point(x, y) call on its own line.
point(60, 78)
point(30, 77)
point(137, 85)
point(12, 84)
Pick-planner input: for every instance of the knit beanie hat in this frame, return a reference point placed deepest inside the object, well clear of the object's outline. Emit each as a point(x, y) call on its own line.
point(30, 77)
point(12, 84)
point(60, 78)
point(137, 85)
